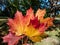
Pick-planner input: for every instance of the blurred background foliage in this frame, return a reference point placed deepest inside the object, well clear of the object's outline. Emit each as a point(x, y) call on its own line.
point(9, 7)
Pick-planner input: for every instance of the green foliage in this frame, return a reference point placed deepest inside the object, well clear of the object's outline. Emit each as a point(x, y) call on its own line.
point(22, 5)
point(54, 32)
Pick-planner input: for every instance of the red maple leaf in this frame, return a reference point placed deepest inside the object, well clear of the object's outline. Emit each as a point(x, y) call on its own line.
point(11, 39)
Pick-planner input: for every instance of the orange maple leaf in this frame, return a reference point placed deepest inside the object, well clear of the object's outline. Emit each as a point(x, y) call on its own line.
point(30, 25)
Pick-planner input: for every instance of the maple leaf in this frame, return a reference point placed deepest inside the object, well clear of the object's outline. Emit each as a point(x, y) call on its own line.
point(30, 25)
point(11, 39)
